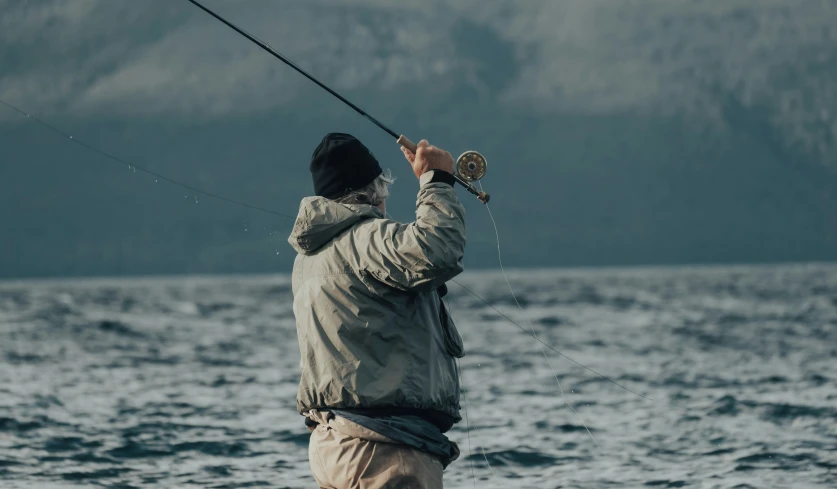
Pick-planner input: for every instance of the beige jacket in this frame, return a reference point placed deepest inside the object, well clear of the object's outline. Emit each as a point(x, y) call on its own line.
point(372, 329)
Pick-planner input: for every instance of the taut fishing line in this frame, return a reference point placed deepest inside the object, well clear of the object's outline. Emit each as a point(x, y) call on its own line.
point(534, 335)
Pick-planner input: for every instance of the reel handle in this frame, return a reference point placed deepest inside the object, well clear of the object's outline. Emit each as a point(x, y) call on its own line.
point(483, 197)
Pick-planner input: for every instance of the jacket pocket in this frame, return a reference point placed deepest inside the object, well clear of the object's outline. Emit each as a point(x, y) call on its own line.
point(453, 342)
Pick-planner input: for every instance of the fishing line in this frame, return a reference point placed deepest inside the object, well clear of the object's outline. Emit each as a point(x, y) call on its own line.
point(135, 167)
point(467, 424)
point(512, 321)
point(534, 335)
point(468, 427)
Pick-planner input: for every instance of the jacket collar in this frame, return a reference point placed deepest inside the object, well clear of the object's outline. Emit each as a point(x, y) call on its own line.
point(320, 219)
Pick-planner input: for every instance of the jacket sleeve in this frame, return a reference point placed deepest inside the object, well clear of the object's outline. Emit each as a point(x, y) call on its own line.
point(424, 254)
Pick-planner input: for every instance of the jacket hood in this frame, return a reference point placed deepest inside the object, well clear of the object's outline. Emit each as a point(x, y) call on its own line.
point(320, 219)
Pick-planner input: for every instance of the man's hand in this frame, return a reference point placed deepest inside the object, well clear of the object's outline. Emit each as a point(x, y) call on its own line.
point(428, 158)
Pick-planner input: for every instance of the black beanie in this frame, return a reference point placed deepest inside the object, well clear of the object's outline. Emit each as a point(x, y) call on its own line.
point(341, 164)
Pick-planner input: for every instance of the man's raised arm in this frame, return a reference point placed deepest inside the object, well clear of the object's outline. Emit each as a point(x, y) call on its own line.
point(424, 254)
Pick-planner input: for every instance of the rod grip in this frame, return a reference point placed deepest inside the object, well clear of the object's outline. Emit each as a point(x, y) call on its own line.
point(403, 141)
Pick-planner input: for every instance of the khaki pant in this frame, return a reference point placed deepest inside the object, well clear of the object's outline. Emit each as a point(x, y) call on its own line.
point(344, 455)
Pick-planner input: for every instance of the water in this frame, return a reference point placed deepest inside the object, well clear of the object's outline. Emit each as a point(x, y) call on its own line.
point(191, 382)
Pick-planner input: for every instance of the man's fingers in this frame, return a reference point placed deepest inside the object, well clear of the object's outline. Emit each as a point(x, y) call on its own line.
point(411, 157)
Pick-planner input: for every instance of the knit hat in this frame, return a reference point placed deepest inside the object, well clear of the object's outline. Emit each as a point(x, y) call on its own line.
point(341, 164)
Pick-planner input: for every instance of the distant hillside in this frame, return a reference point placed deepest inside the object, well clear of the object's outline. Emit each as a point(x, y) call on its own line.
point(633, 132)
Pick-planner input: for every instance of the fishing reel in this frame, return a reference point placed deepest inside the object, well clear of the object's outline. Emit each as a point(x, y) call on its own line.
point(469, 167)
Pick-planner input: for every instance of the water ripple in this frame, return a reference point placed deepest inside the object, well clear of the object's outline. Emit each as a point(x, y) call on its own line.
point(192, 382)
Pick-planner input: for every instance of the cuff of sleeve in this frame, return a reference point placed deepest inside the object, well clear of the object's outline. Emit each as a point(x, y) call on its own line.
point(436, 176)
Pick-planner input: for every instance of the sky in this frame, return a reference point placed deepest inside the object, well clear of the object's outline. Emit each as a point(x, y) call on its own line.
point(618, 132)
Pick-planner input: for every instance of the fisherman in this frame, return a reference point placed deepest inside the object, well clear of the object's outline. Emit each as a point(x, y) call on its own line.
point(379, 384)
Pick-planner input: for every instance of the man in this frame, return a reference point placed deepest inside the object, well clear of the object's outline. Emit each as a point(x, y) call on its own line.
point(380, 382)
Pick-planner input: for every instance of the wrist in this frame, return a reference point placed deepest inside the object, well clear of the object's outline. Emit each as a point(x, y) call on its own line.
point(436, 175)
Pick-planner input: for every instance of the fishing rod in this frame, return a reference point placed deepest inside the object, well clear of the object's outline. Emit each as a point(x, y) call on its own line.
point(470, 166)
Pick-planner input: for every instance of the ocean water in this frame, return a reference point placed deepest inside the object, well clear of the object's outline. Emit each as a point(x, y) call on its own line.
point(191, 382)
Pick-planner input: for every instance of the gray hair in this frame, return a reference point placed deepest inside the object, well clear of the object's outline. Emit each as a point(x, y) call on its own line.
point(372, 194)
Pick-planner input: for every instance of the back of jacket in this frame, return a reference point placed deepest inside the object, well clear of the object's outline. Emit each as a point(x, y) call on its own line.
point(372, 328)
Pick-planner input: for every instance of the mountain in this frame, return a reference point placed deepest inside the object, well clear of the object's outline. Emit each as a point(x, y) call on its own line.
point(617, 133)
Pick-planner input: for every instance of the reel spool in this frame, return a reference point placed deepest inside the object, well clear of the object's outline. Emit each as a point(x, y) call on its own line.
point(471, 166)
